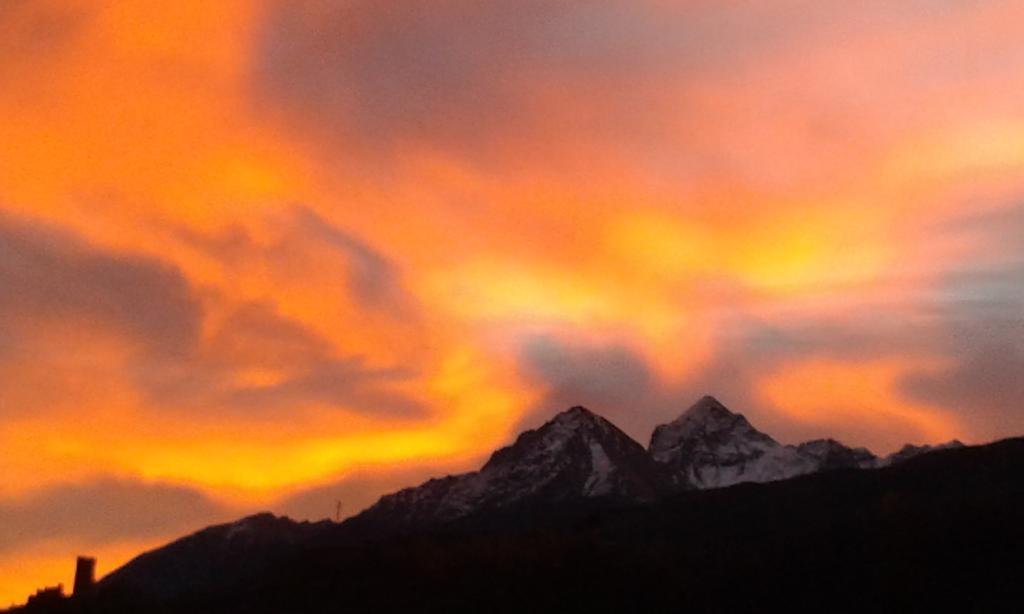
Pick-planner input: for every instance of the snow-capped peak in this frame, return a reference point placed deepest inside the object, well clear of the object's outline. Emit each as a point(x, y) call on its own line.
point(710, 421)
point(707, 406)
point(575, 455)
point(709, 446)
point(580, 418)
point(577, 413)
point(580, 455)
point(553, 437)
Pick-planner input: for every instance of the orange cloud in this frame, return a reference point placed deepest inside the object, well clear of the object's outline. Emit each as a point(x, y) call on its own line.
point(253, 247)
point(861, 398)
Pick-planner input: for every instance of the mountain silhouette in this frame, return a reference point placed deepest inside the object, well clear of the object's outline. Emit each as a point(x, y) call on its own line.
point(576, 516)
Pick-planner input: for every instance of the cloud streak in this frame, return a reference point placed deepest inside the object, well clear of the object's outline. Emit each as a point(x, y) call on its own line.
point(101, 511)
point(51, 276)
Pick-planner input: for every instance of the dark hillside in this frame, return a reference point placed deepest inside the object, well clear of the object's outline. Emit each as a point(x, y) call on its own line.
point(940, 532)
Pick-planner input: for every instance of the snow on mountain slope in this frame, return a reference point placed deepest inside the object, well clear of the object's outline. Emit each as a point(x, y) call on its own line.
point(711, 447)
point(579, 455)
point(576, 455)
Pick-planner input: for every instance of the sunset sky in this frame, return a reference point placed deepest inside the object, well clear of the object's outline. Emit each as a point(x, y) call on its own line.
point(273, 254)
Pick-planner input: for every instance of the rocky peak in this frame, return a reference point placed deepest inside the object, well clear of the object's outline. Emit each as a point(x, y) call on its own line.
point(575, 455)
point(579, 418)
point(706, 406)
point(708, 417)
point(709, 445)
point(577, 412)
point(707, 430)
point(553, 437)
point(707, 411)
point(579, 455)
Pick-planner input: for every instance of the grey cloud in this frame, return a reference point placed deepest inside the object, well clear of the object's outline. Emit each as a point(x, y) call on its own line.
point(458, 75)
point(619, 384)
point(981, 308)
point(373, 278)
point(311, 370)
point(36, 29)
point(345, 382)
point(610, 380)
point(984, 339)
point(56, 285)
point(880, 330)
point(255, 334)
point(50, 275)
point(984, 386)
point(52, 280)
point(372, 70)
point(103, 511)
point(473, 77)
point(973, 318)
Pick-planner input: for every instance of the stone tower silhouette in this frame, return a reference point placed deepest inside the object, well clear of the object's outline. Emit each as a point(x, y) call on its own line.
point(85, 576)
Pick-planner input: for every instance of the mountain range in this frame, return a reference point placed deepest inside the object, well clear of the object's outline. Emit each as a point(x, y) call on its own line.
point(579, 484)
point(580, 455)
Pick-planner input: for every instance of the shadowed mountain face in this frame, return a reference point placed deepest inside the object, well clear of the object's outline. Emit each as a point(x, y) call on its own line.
point(909, 451)
point(577, 455)
point(711, 447)
point(222, 555)
point(940, 532)
point(576, 514)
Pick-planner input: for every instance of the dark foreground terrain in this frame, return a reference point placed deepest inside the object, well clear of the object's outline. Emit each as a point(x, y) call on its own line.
point(942, 532)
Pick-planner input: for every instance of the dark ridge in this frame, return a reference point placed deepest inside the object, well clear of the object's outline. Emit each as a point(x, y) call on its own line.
point(940, 532)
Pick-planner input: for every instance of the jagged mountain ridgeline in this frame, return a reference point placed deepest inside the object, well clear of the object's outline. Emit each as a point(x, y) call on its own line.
point(580, 455)
point(577, 455)
point(710, 447)
point(713, 516)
